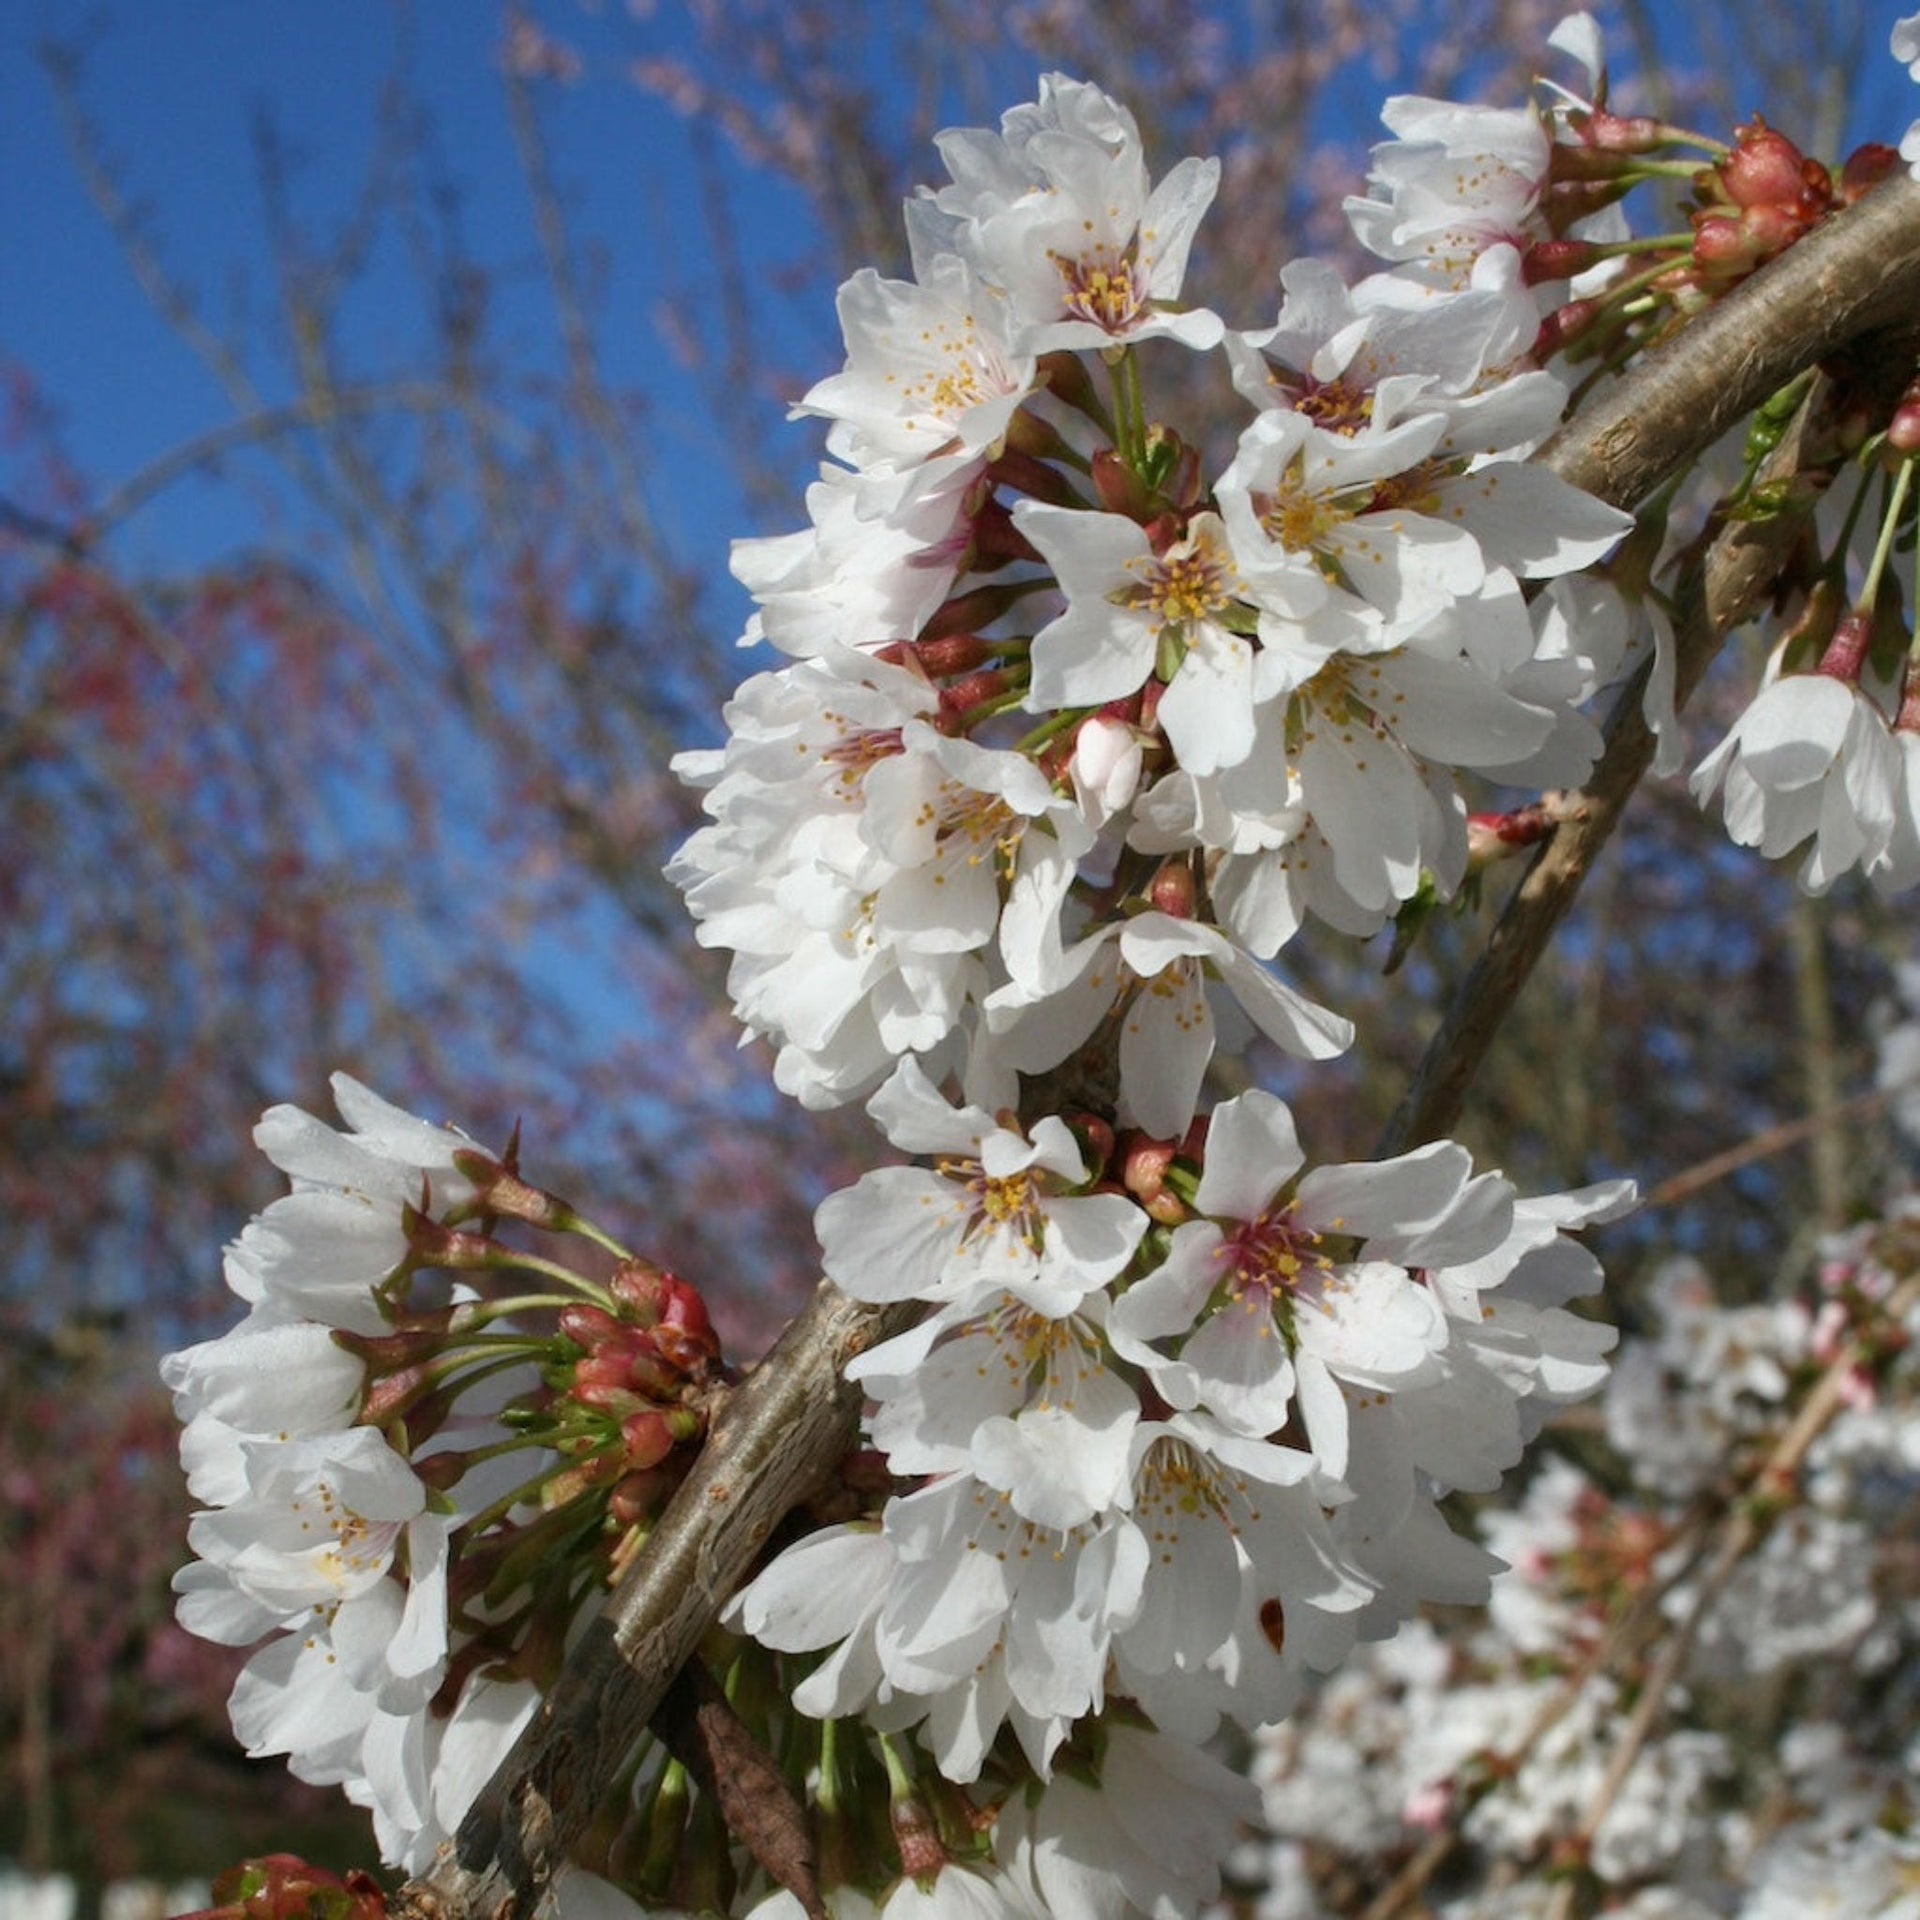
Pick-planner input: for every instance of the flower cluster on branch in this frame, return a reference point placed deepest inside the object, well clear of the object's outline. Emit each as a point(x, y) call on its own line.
point(1084, 722)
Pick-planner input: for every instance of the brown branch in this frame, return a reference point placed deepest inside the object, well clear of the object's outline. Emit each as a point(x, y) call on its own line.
point(1776, 1139)
point(795, 1416)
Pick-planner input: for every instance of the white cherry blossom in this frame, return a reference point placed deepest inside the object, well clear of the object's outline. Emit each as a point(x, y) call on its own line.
point(1055, 210)
point(930, 369)
point(1811, 758)
point(1001, 1211)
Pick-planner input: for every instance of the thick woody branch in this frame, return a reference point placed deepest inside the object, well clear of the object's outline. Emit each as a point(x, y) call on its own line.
point(794, 1417)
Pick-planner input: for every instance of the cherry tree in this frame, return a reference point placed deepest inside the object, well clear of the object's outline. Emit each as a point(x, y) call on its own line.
point(1114, 1445)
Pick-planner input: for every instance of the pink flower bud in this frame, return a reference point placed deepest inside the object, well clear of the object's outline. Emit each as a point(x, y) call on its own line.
point(606, 1396)
point(646, 1438)
point(1865, 168)
point(1557, 260)
point(1621, 132)
point(1903, 430)
point(1144, 1170)
point(1172, 890)
point(1719, 245)
point(1765, 168)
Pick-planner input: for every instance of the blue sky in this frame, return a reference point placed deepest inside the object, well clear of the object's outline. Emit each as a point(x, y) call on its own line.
point(177, 85)
point(176, 90)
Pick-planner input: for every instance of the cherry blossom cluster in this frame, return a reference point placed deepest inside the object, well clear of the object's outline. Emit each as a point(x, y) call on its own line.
point(1084, 717)
point(1078, 732)
point(410, 1485)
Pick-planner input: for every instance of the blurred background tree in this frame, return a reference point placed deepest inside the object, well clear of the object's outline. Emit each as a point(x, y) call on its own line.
point(373, 770)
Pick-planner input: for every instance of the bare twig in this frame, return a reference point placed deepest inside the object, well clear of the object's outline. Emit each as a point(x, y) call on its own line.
point(1789, 1133)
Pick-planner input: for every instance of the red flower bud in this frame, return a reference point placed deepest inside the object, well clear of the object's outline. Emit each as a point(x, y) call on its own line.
point(953, 653)
point(282, 1886)
point(1865, 168)
point(646, 1438)
point(587, 1326)
point(639, 1286)
point(1557, 260)
point(1765, 168)
point(1563, 326)
point(1172, 890)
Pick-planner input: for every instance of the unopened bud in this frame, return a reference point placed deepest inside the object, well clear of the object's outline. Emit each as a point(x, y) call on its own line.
point(1563, 326)
point(1765, 168)
point(972, 690)
point(588, 1327)
point(647, 1439)
point(641, 1288)
point(1144, 1171)
point(1144, 1175)
point(1557, 260)
point(1497, 836)
point(1903, 430)
point(1620, 132)
point(952, 653)
point(1172, 890)
point(282, 1886)
point(1865, 168)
